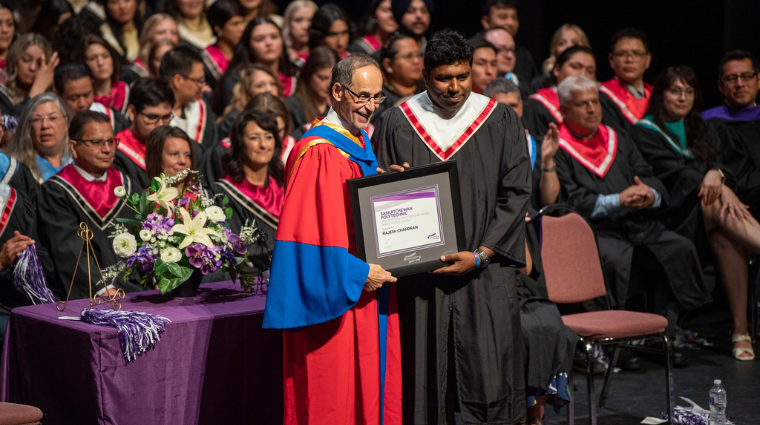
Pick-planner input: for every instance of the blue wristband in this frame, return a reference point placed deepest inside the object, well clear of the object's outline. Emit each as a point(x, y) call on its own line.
point(477, 259)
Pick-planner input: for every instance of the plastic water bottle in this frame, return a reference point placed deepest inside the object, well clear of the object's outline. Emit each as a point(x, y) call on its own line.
point(717, 404)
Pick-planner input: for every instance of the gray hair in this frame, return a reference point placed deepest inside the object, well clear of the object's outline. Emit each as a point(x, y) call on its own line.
point(291, 10)
point(22, 147)
point(501, 85)
point(571, 84)
point(343, 72)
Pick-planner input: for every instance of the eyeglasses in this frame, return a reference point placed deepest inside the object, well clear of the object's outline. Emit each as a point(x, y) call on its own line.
point(635, 54)
point(199, 81)
point(53, 119)
point(363, 99)
point(151, 119)
point(99, 143)
point(745, 76)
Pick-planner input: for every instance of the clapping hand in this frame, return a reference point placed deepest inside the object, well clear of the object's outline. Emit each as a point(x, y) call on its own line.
point(549, 145)
point(637, 197)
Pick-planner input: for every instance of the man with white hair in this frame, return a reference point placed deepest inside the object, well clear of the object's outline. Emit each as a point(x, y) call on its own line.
point(605, 178)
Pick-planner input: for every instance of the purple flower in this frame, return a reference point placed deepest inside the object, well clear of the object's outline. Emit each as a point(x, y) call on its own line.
point(195, 255)
point(183, 202)
point(157, 223)
point(203, 258)
point(237, 243)
point(145, 257)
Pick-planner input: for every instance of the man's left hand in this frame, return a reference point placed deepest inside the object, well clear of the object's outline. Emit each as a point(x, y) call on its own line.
point(462, 263)
point(395, 167)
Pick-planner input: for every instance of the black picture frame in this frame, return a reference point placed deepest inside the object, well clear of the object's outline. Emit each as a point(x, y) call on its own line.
point(440, 178)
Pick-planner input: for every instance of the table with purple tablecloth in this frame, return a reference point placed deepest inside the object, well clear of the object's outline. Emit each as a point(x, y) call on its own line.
point(213, 365)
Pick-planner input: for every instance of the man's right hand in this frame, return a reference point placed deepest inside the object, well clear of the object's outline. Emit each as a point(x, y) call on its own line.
point(637, 197)
point(377, 275)
point(13, 248)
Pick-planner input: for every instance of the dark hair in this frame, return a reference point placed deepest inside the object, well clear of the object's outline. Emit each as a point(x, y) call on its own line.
point(154, 148)
point(150, 92)
point(244, 55)
point(233, 159)
point(222, 11)
point(179, 60)
point(698, 137)
point(80, 120)
point(479, 41)
point(269, 103)
point(389, 50)
point(565, 56)
point(46, 21)
point(116, 27)
point(96, 39)
point(629, 33)
point(368, 21)
point(323, 19)
point(68, 39)
point(319, 58)
point(737, 55)
point(447, 47)
point(500, 4)
point(70, 72)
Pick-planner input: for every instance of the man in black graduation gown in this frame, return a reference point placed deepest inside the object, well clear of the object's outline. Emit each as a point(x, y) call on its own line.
point(83, 192)
point(460, 324)
point(182, 68)
point(738, 124)
point(503, 13)
point(73, 82)
point(605, 178)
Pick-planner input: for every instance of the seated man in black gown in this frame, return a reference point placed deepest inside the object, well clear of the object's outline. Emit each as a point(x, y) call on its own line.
point(83, 192)
point(605, 178)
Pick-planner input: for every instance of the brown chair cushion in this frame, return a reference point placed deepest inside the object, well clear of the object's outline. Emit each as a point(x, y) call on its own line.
point(615, 324)
point(19, 414)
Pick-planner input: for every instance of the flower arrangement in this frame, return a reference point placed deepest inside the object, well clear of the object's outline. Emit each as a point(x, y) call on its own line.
point(178, 231)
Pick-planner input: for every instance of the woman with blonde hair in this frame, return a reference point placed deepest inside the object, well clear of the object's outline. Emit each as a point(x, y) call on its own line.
point(42, 138)
point(295, 29)
point(255, 78)
point(566, 36)
point(160, 26)
point(31, 66)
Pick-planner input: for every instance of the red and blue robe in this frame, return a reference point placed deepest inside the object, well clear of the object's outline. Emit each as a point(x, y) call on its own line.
point(342, 354)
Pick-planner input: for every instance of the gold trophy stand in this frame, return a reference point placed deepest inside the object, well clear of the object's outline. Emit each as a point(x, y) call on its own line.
point(114, 299)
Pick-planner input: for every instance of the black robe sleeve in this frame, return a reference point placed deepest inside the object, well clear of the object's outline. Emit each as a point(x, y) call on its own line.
point(21, 219)
point(210, 137)
point(536, 118)
point(211, 167)
point(740, 154)
point(124, 164)
point(120, 122)
point(613, 116)
point(24, 181)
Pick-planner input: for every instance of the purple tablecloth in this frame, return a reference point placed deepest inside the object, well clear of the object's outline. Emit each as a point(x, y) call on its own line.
point(213, 365)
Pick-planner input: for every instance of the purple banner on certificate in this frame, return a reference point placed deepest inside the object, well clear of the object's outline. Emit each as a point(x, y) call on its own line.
point(407, 221)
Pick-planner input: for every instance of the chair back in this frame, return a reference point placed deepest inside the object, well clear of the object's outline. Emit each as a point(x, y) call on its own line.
point(570, 258)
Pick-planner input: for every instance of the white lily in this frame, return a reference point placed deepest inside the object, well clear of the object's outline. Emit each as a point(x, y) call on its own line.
point(165, 195)
point(193, 229)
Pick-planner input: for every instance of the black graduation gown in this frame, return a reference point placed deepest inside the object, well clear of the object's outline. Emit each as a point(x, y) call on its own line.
point(740, 153)
point(298, 117)
point(60, 209)
point(244, 209)
point(224, 128)
point(19, 177)
point(675, 256)
point(479, 309)
point(127, 166)
point(525, 66)
point(549, 344)
point(211, 167)
point(18, 214)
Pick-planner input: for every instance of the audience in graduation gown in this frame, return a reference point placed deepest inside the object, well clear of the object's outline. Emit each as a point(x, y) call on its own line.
point(503, 13)
point(182, 69)
point(254, 79)
point(736, 123)
point(121, 28)
point(160, 26)
point(169, 150)
point(41, 139)
point(312, 98)
point(73, 83)
point(401, 63)
point(150, 106)
point(502, 40)
point(226, 18)
point(155, 54)
point(483, 63)
point(542, 107)
point(258, 8)
point(629, 58)
point(331, 27)
point(212, 167)
point(295, 29)
point(253, 181)
point(604, 177)
point(261, 43)
point(83, 192)
point(376, 26)
point(7, 36)
point(413, 18)
point(17, 175)
point(30, 66)
point(193, 27)
point(568, 35)
point(109, 89)
point(675, 140)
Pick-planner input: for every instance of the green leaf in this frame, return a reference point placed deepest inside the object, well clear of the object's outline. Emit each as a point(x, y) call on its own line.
point(228, 213)
point(143, 202)
point(129, 221)
point(154, 185)
point(179, 271)
point(225, 200)
point(134, 199)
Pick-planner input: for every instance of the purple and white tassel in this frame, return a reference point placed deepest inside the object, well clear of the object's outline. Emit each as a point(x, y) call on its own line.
point(138, 332)
point(29, 278)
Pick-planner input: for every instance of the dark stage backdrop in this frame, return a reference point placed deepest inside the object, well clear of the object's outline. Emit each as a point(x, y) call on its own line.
point(681, 32)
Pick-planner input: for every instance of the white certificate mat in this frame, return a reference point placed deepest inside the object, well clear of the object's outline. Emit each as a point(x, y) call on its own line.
point(407, 221)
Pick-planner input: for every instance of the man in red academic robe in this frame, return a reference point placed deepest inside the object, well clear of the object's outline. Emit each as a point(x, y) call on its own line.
point(342, 355)
point(150, 106)
point(629, 58)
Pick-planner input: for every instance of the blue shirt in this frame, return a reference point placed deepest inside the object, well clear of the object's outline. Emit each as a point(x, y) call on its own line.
point(47, 170)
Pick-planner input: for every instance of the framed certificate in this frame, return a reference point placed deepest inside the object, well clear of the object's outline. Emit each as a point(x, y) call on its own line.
point(406, 221)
